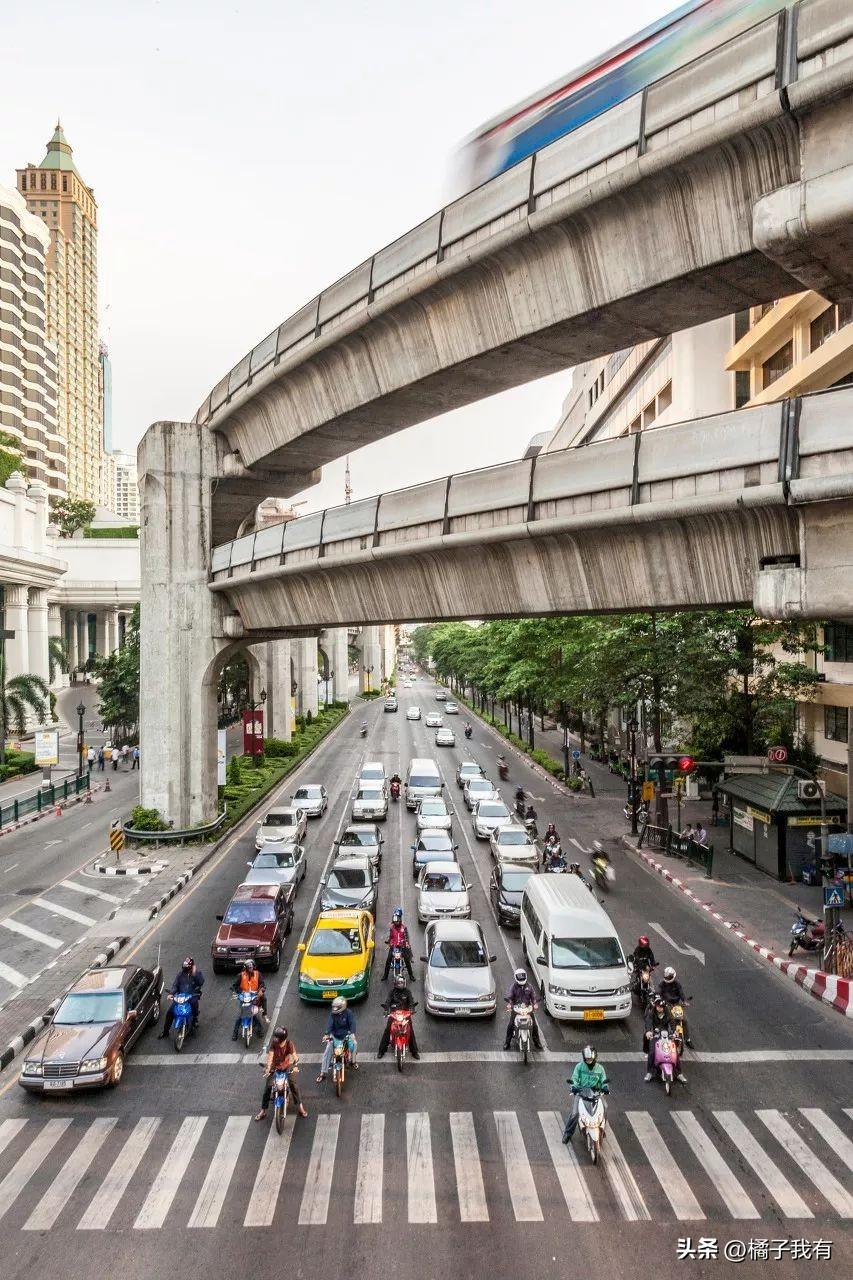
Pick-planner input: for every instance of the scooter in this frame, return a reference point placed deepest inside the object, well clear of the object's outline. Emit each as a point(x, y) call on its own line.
point(468, 731)
point(602, 872)
point(247, 1001)
point(281, 1097)
point(531, 828)
point(363, 731)
point(592, 1119)
point(503, 771)
point(641, 982)
point(395, 791)
point(522, 1028)
point(666, 1059)
point(340, 1062)
point(182, 1018)
point(807, 934)
point(401, 1033)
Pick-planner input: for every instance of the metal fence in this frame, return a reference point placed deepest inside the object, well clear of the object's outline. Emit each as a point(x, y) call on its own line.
point(676, 846)
point(44, 798)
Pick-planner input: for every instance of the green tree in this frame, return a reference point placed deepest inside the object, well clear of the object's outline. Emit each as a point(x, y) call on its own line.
point(72, 514)
point(57, 656)
point(23, 697)
point(11, 458)
point(118, 674)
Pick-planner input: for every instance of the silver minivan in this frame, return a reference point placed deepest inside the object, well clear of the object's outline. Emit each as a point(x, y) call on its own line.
point(422, 779)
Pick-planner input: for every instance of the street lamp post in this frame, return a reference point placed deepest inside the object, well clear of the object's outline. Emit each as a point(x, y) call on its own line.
point(564, 715)
point(330, 675)
point(253, 707)
point(368, 671)
point(632, 739)
point(81, 711)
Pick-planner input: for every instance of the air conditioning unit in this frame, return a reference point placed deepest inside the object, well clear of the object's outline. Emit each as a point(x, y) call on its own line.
point(807, 790)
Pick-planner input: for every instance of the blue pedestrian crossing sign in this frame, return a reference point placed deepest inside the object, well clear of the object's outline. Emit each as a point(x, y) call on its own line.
point(576, 755)
point(833, 895)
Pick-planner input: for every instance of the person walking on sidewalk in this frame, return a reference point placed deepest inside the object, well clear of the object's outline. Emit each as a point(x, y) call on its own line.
point(90, 756)
point(125, 752)
point(114, 757)
point(135, 764)
point(100, 759)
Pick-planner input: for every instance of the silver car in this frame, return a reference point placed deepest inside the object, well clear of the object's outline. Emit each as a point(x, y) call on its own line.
point(413, 713)
point(513, 843)
point(287, 824)
point(443, 892)
point(434, 720)
point(312, 798)
point(479, 788)
point(362, 837)
point(278, 864)
point(445, 738)
point(440, 695)
point(370, 804)
point(452, 708)
point(459, 982)
point(465, 770)
point(489, 815)
point(433, 814)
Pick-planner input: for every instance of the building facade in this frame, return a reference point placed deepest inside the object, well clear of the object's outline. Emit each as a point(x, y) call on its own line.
point(56, 193)
point(28, 361)
point(126, 489)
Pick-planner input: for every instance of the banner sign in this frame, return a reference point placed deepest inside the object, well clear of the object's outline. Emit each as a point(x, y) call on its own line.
point(46, 747)
point(253, 732)
point(743, 819)
point(220, 758)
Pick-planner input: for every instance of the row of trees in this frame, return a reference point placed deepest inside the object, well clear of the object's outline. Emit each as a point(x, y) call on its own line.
point(714, 681)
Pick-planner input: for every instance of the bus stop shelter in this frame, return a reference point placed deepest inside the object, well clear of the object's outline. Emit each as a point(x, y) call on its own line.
point(772, 828)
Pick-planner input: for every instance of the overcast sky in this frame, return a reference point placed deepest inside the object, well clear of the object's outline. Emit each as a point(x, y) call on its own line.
point(244, 156)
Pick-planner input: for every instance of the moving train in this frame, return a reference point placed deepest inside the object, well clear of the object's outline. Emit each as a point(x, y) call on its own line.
point(674, 40)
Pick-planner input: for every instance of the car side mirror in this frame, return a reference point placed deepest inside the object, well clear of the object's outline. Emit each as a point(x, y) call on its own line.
point(541, 960)
point(371, 944)
point(456, 848)
point(412, 847)
point(300, 946)
point(219, 918)
point(423, 960)
point(133, 1014)
point(467, 886)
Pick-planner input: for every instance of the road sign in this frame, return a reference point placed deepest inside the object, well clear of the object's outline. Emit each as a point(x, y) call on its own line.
point(842, 844)
point(777, 755)
point(648, 791)
point(116, 837)
point(576, 755)
point(46, 742)
point(833, 895)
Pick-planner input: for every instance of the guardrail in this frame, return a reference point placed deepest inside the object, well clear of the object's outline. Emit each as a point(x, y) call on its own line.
point(170, 836)
point(44, 798)
point(676, 846)
point(791, 44)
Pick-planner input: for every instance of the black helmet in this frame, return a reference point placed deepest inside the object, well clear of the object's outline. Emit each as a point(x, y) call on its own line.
point(280, 1033)
point(589, 1055)
point(659, 1000)
point(188, 964)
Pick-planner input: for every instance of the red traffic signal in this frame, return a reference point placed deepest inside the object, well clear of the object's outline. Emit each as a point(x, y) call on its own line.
point(686, 764)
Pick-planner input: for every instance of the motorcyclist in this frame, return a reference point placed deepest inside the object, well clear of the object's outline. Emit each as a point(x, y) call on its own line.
point(643, 955)
point(521, 992)
point(519, 800)
point(530, 814)
point(503, 767)
point(400, 998)
point(673, 993)
point(554, 857)
point(575, 870)
point(281, 1057)
point(468, 730)
point(188, 982)
point(588, 1074)
point(249, 979)
point(364, 728)
point(341, 1026)
point(551, 836)
point(398, 936)
point(658, 1019)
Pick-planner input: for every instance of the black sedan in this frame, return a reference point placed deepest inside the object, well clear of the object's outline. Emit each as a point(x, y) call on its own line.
point(506, 889)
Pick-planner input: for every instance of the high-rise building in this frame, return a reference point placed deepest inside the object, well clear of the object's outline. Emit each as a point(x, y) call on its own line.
point(105, 394)
point(28, 368)
point(56, 193)
point(126, 502)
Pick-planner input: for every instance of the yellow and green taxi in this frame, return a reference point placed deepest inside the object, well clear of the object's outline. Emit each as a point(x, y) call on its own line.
point(338, 957)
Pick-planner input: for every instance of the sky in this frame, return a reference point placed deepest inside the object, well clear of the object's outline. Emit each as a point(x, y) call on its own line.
point(244, 156)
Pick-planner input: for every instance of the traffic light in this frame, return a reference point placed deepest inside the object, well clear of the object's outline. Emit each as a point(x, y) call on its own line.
point(686, 764)
point(662, 768)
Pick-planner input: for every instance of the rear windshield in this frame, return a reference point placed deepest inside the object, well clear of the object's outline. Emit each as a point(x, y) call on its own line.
point(269, 860)
point(479, 784)
point(512, 835)
point(443, 882)
point(423, 780)
point(348, 878)
point(376, 774)
point(360, 838)
point(255, 912)
point(462, 954)
point(515, 881)
point(488, 809)
point(369, 793)
point(433, 808)
point(586, 953)
point(307, 793)
point(280, 820)
point(436, 840)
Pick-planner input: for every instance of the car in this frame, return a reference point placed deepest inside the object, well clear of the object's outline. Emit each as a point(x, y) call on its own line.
point(312, 798)
point(445, 738)
point(440, 695)
point(350, 883)
point(253, 927)
point(372, 771)
point(286, 823)
point(458, 981)
point(513, 843)
point(506, 889)
point(98, 1021)
point(363, 837)
point(467, 769)
point(278, 864)
point(487, 815)
point(452, 708)
point(434, 720)
point(413, 713)
point(432, 814)
point(443, 892)
point(391, 704)
point(432, 846)
point(337, 959)
point(479, 789)
point(407, 684)
point(370, 802)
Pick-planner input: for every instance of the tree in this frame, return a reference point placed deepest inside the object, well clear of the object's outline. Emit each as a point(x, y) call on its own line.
point(23, 697)
point(11, 458)
point(57, 655)
point(118, 674)
point(72, 514)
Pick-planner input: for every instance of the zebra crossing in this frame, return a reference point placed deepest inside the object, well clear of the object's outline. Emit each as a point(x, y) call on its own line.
point(203, 1171)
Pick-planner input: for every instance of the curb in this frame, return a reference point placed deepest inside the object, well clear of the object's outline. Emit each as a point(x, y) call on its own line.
point(826, 987)
point(175, 889)
point(153, 869)
point(29, 1033)
point(49, 812)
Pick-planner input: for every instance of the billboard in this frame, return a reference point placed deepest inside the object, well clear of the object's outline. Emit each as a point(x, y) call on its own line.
point(46, 746)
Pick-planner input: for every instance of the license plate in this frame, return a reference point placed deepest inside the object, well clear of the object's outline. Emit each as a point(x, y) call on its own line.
point(593, 1015)
point(59, 1084)
point(461, 1010)
point(329, 995)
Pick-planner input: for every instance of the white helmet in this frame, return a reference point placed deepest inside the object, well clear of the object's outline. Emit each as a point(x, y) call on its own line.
point(521, 976)
point(339, 1004)
point(669, 973)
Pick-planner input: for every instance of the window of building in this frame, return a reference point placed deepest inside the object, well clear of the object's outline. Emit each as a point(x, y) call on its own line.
point(665, 398)
point(838, 642)
point(835, 724)
point(821, 328)
point(741, 325)
point(44, 182)
point(648, 415)
point(778, 364)
point(53, 182)
point(742, 388)
point(635, 425)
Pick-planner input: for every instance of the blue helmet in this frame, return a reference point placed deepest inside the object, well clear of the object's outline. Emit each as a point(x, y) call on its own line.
point(398, 915)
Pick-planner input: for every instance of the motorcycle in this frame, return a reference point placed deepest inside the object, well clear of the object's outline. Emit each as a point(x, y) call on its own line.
point(363, 731)
point(397, 963)
point(340, 1062)
point(182, 1018)
point(401, 1033)
point(503, 771)
point(281, 1097)
point(666, 1059)
point(522, 1028)
point(676, 1013)
point(395, 791)
point(468, 731)
point(247, 1001)
point(807, 934)
point(592, 1119)
point(531, 828)
point(641, 982)
point(602, 872)
point(520, 805)
point(555, 860)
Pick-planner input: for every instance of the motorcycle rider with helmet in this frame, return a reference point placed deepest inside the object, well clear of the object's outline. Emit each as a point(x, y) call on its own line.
point(521, 992)
point(588, 1074)
point(551, 836)
point(188, 982)
point(400, 998)
point(643, 954)
point(249, 979)
point(673, 993)
point(658, 1018)
point(575, 870)
point(280, 1057)
point(398, 936)
point(341, 1026)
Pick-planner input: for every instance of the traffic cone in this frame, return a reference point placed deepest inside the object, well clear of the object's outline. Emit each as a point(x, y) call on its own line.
point(57, 813)
point(107, 786)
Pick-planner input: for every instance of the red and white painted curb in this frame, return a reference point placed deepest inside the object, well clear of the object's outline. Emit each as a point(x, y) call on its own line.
point(826, 987)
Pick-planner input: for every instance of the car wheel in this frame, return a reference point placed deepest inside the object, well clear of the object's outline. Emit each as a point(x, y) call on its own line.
point(218, 968)
point(117, 1070)
point(289, 925)
point(275, 963)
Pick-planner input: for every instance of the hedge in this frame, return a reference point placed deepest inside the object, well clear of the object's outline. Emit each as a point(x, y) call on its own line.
point(119, 531)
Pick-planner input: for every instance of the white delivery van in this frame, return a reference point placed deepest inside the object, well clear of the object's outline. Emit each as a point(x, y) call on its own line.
point(572, 950)
point(422, 779)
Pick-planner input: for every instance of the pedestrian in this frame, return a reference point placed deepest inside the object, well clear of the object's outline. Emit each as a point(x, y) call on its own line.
point(100, 759)
point(90, 756)
point(700, 835)
point(114, 757)
point(687, 833)
point(587, 782)
point(135, 764)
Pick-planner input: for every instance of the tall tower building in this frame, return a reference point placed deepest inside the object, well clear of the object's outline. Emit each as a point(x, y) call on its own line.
point(55, 192)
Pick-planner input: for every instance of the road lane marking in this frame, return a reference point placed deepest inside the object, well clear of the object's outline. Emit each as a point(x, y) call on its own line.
point(814, 1169)
point(686, 950)
point(13, 977)
point(789, 1201)
point(6, 870)
point(685, 1206)
point(90, 893)
point(50, 844)
point(67, 1180)
point(469, 1175)
point(217, 1180)
point(56, 909)
point(519, 1175)
point(165, 1186)
point(114, 1185)
point(264, 1198)
point(9, 1129)
point(32, 1159)
point(314, 1208)
point(830, 1132)
point(572, 1182)
point(368, 1181)
point(421, 1178)
point(623, 1182)
point(731, 1192)
point(33, 934)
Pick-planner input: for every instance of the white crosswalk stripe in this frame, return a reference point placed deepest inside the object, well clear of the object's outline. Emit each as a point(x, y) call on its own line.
point(261, 1210)
point(829, 1130)
point(9, 1129)
point(685, 1206)
point(318, 1183)
point(519, 1175)
point(469, 1175)
point(91, 893)
point(215, 1188)
point(733, 1195)
point(56, 909)
point(13, 976)
point(422, 1206)
point(623, 1182)
point(114, 1185)
point(34, 935)
point(789, 1201)
point(165, 1188)
point(814, 1169)
point(578, 1200)
point(66, 1181)
point(32, 1159)
point(368, 1180)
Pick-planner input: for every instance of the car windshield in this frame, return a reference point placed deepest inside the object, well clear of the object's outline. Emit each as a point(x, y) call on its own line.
point(586, 953)
point(423, 780)
point(348, 878)
point(280, 820)
point(514, 881)
point(458, 954)
point(369, 793)
point(268, 860)
point(360, 838)
point(307, 793)
point(106, 1006)
point(443, 882)
point(434, 808)
point(470, 770)
point(513, 835)
point(480, 784)
point(490, 809)
point(255, 912)
point(439, 840)
point(335, 942)
point(373, 775)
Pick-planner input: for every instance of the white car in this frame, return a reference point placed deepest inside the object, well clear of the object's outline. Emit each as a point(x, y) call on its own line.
point(434, 720)
point(370, 804)
point(513, 843)
point(488, 815)
point(452, 708)
point(286, 824)
point(278, 864)
point(445, 738)
point(312, 798)
point(467, 769)
point(458, 982)
point(440, 695)
point(362, 837)
point(433, 815)
point(413, 713)
point(443, 892)
point(479, 788)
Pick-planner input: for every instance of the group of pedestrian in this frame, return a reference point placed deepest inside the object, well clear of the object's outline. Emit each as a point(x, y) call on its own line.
point(118, 755)
point(697, 833)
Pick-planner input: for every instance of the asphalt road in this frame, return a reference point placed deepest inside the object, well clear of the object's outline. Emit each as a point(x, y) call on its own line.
point(457, 1162)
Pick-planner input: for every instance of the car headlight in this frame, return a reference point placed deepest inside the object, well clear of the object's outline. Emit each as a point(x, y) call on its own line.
point(623, 991)
point(264, 950)
point(306, 981)
point(557, 991)
point(93, 1064)
point(32, 1067)
point(485, 999)
point(359, 977)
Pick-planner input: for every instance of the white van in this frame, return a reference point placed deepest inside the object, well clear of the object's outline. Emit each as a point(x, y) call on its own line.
point(372, 775)
point(573, 951)
point(422, 779)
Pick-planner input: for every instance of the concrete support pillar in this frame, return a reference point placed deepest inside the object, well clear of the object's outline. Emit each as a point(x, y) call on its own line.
point(339, 659)
point(101, 638)
point(306, 674)
point(278, 711)
point(37, 628)
point(59, 679)
point(70, 619)
point(17, 485)
point(111, 630)
point(37, 494)
point(17, 620)
point(370, 664)
point(388, 643)
point(82, 639)
point(183, 644)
